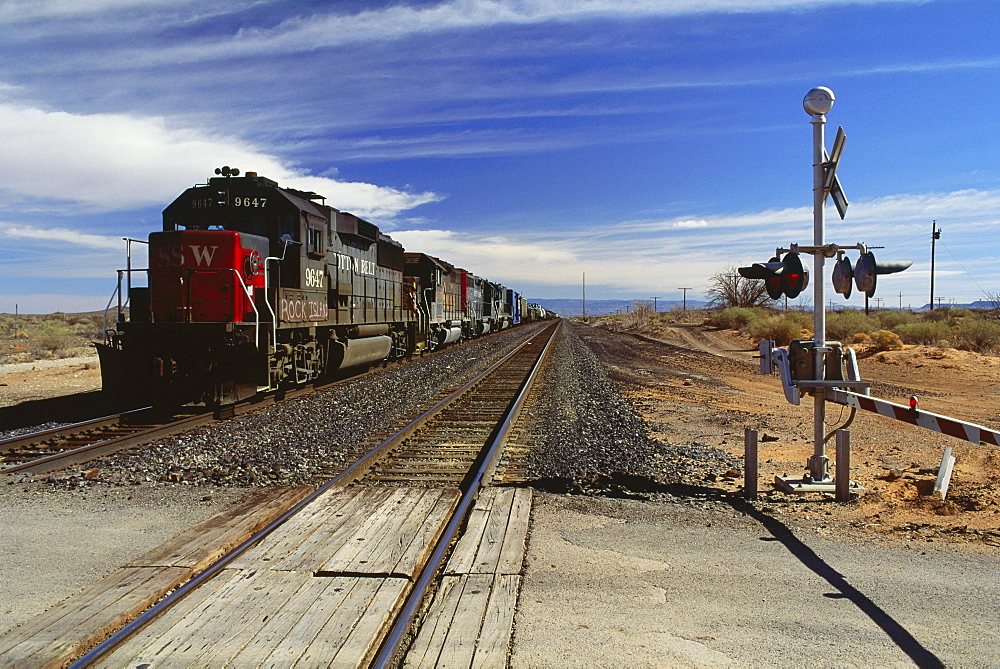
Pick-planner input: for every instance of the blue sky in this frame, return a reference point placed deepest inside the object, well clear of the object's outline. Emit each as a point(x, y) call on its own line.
point(647, 144)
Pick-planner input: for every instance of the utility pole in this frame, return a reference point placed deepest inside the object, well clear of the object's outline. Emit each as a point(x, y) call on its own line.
point(935, 235)
point(900, 300)
point(654, 303)
point(685, 307)
point(584, 296)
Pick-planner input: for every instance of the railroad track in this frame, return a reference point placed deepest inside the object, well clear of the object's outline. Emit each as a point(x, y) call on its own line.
point(61, 447)
point(376, 534)
point(78, 442)
point(448, 444)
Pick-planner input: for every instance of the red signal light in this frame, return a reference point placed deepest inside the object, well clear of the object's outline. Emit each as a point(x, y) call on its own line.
point(781, 277)
point(794, 278)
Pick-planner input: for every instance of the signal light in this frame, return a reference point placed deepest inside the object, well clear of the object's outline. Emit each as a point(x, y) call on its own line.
point(867, 269)
point(772, 282)
point(843, 277)
point(781, 277)
point(864, 273)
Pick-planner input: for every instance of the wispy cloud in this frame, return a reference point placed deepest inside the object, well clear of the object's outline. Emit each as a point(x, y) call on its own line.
point(62, 236)
point(305, 33)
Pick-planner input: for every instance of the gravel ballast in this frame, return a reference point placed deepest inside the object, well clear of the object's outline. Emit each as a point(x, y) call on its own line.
point(595, 441)
point(297, 440)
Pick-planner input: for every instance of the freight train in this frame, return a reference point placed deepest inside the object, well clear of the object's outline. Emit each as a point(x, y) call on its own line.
point(253, 286)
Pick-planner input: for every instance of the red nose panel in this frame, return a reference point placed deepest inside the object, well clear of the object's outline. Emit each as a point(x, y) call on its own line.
point(201, 276)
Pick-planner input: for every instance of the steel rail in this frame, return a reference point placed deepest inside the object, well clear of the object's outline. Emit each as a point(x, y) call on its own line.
point(14, 443)
point(486, 464)
point(57, 461)
point(348, 475)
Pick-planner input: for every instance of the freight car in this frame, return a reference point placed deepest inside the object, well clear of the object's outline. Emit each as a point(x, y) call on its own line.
point(536, 312)
point(253, 286)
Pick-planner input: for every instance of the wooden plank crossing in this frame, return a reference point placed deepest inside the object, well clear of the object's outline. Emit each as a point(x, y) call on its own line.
point(74, 626)
point(320, 590)
point(262, 618)
point(470, 621)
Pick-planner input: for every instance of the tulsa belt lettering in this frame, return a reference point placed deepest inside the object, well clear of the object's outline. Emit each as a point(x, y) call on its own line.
point(356, 265)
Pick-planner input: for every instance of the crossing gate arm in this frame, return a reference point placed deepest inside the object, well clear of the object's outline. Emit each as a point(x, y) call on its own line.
point(977, 434)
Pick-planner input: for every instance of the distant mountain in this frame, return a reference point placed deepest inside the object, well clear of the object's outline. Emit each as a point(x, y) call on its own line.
point(569, 308)
point(978, 304)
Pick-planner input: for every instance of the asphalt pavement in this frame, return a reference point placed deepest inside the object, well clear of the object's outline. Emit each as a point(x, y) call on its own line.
point(629, 583)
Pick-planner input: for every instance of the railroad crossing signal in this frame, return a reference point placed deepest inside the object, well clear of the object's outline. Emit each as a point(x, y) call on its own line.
point(781, 277)
point(863, 273)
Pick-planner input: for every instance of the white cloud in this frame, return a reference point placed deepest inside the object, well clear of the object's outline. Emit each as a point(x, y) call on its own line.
point(632, 258)
point(494, 257)
point(107, 162)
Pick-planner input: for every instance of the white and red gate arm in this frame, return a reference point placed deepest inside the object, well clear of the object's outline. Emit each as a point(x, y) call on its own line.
point(977, 434)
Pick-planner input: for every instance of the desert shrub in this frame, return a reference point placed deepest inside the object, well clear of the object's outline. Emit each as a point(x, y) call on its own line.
point(781, 328)
point(52, 336)
point(843, 325)
point(890, 319)
point(935, 315)
point(923, 332)
point(803, 318)
point(957, 313)
point(884, 340)
point(977, 334)
point(734, 318)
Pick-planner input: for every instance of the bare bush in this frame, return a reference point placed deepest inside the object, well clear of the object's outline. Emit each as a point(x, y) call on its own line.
point(728, 289)
point(639, 316)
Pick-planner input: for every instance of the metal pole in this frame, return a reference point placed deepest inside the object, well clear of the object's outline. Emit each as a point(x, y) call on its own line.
point(842, 488)
point(818, 102)
point(750, 464)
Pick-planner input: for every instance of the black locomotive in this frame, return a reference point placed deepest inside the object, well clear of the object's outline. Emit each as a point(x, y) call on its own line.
point(252, 286)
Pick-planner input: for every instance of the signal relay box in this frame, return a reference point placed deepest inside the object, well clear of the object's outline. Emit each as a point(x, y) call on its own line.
point(802, 361)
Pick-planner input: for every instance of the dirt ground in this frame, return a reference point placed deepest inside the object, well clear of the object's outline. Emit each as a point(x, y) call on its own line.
point(693, 383)
point(24, 381)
